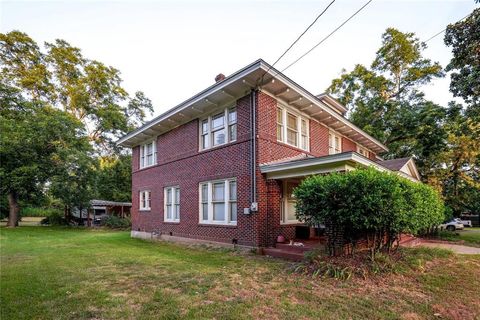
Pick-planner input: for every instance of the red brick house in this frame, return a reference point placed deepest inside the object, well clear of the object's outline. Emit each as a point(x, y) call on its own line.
point(221, 165)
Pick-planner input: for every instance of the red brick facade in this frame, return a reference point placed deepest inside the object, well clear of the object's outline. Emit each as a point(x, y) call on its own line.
point(180, 163)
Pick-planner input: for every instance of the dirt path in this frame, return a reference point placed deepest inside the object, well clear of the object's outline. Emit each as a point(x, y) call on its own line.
point(457, 248)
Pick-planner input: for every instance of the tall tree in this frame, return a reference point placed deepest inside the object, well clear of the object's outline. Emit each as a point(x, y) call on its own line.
point(34, 143)
point(464, 38)
point(87, 89)
point(385, 100)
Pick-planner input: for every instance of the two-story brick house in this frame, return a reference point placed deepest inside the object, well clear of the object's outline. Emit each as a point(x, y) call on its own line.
point(221, 165)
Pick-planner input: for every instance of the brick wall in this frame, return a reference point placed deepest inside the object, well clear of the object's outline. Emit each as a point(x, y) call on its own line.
point(348, 145)
point(180, 163)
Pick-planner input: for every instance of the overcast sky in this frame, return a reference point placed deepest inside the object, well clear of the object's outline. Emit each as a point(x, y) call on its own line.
point(174, 49)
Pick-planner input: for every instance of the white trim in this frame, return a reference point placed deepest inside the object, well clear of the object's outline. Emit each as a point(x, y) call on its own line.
point(148, 202)
point(361, 150)
point(210, 202)
point(332, 150)
point(285, 201)
point(300, 117)
point(142, 157)
point(175, 202)
point(239, 75)
point(226, 127)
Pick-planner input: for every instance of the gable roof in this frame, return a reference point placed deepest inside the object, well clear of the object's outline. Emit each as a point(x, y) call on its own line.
point(405, 165)
point(395, 164)
point(258, 75)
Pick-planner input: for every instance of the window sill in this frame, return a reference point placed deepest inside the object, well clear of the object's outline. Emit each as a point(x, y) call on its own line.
point(218, 146)
point(145, 210)
point(290, 223)
point(221, 225)
point(292, 146)
point(172, 221)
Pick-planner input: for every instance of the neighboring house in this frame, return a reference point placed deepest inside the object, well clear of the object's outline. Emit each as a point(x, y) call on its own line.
point(221, 166)
point(100, 209)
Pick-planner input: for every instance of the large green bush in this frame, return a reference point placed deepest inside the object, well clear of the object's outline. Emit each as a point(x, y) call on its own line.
point(115, 222)
point(367, 204)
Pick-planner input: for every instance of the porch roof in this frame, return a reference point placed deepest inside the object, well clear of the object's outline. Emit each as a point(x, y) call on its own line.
point(309, 166)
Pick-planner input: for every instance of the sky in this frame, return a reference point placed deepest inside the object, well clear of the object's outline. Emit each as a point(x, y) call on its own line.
point(173, 49)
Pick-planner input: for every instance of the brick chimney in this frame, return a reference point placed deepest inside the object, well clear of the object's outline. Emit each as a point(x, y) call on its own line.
point(219, 77)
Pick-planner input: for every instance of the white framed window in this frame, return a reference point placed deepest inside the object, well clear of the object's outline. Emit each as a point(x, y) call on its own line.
point(362, 151)
point(334, 143)
point(171, 204)
point(218, 202)
point(288, 207)
point(148, 154)
point(292, 128)
point(145, 200)
point(218, 129)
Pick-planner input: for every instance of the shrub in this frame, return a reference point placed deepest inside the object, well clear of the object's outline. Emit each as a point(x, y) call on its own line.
point(115, 222)
point(39, 212)
point(56, 218)
point(369, 204)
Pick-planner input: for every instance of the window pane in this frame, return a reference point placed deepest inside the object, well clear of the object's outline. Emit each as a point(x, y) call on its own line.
point(205, 126)
point(291, 137)
point(232, 116)
point(218, 121)
point(219, 137)
point(304, 127)
point(177, 195)
point(219, 211)
point(279, 132)
point(337, 144)
point(233, 132)
point(204, 192)
point(204, 211)
point(304, 142)
point(233, 190)
point(205, 141)
point(291, 121)
point(169, 212)
point(279, 115)
point(219, 191)
point(149, 149)
point(233, 211)
point(169, 196)
point(177, 212)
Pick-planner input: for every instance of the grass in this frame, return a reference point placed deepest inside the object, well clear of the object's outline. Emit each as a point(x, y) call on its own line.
point(470, 236)
point(65, 273)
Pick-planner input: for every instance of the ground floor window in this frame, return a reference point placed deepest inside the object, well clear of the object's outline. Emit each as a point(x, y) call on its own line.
point(218, 202)
point(172, 204)
point(145, 197)
point(288, 203)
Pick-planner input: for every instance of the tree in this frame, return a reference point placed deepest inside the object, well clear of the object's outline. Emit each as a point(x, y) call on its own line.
point(62, 77)
point(385, 100)
point(34, 143)
point(464, 38)
point(114, 178)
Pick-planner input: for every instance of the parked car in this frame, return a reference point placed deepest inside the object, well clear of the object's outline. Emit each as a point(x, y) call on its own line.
point(466, 223)
point(452, 225)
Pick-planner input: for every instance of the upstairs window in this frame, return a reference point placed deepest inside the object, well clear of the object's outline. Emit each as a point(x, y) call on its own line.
point(145, 197)
point(218, 129)
point(172, 204)
point(334, 143)
point(218, 202)
point(292, 129)
point(362, 151)
point(148, 154)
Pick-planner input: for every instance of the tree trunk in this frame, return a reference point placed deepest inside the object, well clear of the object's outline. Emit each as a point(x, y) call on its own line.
point(13, 210)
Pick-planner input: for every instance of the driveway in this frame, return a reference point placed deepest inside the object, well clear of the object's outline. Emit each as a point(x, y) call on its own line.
point(457, 248)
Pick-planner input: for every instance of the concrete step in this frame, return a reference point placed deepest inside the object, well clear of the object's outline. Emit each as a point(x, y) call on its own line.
point(283, 254)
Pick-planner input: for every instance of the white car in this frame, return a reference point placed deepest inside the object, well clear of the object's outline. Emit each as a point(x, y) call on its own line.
point(452, 225)
point(466, 223)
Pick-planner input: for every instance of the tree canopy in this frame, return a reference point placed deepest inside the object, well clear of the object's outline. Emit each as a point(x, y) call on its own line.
point(61, 113)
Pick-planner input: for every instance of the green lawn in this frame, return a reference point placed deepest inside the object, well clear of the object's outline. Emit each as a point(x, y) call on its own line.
point(55, 273)
point(471, 236)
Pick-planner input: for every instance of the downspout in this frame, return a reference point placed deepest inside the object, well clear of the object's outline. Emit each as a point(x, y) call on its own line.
point(253, 154)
